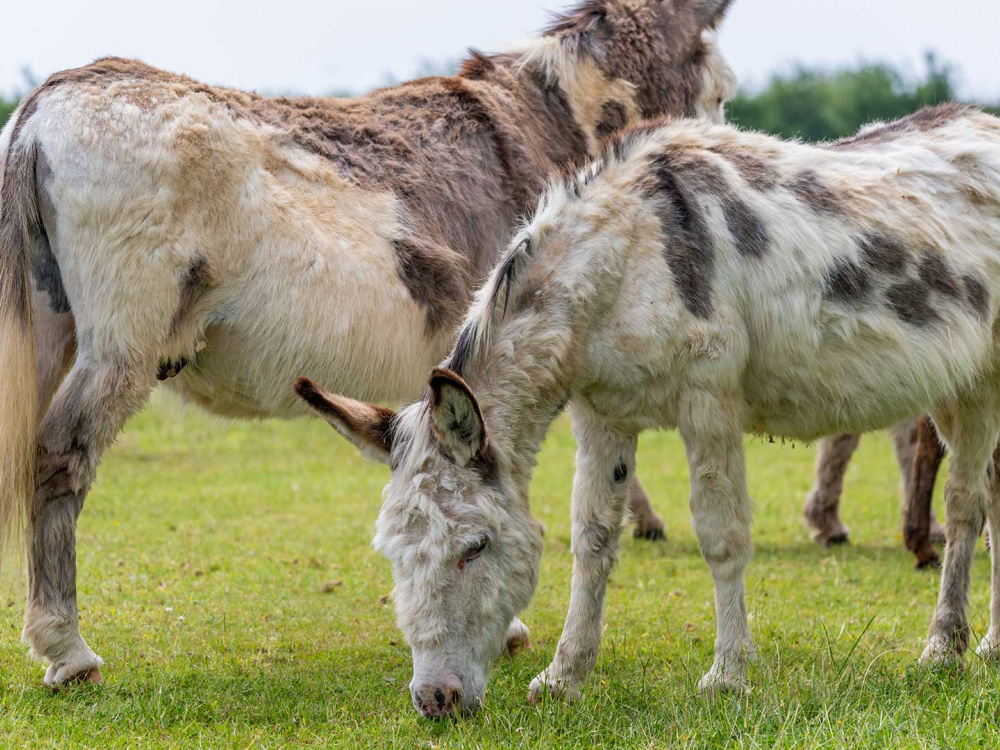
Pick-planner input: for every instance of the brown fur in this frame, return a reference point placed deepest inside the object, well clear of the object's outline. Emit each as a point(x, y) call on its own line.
point(929, 118)
point(926, 464)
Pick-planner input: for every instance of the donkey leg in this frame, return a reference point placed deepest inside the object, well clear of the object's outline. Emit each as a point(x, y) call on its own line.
point(721, 511)
point(989, 647)
point(918, 520)
point(971, 432)
point(822, 510)
point(605, 461)
point(86, 414)
point(648, 524)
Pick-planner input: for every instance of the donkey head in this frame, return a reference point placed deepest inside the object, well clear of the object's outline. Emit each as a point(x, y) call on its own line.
point(456, 526)
point(665, 49)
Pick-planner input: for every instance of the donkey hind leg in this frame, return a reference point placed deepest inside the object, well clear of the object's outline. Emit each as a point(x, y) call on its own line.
point(604, 462)
point(100, 393)
point(721, 510)
point(989, 647)
point(971, 430)
point(822, 510)
point(919, 523)
point(648, 524)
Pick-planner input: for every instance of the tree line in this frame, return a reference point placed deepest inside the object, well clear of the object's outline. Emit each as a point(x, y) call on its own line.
point(818, 104)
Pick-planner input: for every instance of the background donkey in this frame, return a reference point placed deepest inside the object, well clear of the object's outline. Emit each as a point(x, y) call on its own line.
point(153, 226)
point(721, 282)
point(919, 454)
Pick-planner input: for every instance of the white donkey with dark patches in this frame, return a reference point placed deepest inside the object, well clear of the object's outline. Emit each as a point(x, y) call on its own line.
point(152, 226)
point(720, 282)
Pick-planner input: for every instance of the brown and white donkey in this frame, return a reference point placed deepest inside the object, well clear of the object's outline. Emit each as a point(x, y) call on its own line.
point(153, 227)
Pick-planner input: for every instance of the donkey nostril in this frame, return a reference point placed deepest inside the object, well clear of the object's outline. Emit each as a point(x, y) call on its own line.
point(439, 698)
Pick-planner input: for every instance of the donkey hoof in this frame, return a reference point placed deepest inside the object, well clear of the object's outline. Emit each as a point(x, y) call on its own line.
point(78, 668)
point(938, 655)
point(927, 560)
point(518, 638)
point(555, 687)
point(989, 649)
point(833, 538)
point(91, 676)
point(651, 529)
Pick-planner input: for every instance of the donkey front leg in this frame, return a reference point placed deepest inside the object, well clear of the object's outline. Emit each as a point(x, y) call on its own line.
point(605, 463)
point(721, 510)
point(85, 416)
point(822, 511)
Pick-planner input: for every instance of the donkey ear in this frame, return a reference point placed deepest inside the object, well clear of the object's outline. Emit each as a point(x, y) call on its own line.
point(709, 13)
point(368, 427)
point(458, 423)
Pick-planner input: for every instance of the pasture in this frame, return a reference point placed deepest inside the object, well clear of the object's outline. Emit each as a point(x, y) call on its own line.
point(227, 579)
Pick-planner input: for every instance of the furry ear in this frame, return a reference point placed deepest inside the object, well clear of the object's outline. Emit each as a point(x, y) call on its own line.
point(458, 423)
point(368, 427)
point(708, 13)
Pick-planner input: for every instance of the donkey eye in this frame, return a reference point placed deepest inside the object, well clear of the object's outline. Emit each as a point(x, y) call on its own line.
point(472, 553)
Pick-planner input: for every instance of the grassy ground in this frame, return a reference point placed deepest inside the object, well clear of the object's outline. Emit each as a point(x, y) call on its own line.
point(226, 578)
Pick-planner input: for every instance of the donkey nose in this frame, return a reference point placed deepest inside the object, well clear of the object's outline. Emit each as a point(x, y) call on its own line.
point(438, 700)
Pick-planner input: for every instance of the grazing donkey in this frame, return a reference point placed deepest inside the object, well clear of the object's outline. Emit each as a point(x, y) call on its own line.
point(153, 226)
point(919, 454)
point(717, 281)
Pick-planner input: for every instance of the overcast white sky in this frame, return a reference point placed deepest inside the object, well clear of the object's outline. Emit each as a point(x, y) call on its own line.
point(318, 46)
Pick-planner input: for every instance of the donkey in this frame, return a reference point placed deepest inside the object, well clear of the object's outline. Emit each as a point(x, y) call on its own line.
point(155, 227)
point(919, 454)
point(721, 282)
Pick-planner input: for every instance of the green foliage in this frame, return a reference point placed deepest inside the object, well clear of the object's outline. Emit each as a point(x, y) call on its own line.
point(819, 105)
point(7, 108)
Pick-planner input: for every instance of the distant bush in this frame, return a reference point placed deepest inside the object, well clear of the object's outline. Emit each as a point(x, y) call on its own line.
point(819, 105)
point(6, 110)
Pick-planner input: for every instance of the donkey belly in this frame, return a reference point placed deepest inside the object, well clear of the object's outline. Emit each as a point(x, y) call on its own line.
point(862, 378)
point(244, 371)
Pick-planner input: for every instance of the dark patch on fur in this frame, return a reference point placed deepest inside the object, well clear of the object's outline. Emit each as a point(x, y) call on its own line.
point(884, 254)
point(45, 272)
point(170, 368)
point(620, 473)
point(910, 302)
point(848, 283)
point(704, 176)
point(688, 246)
point(196, 280)
point(809, 189)
point(435, 278)
point(923, 121)
point(748, 230)
point(757, 173)
point(976, 295)
point(613, 118)
point(936, 274)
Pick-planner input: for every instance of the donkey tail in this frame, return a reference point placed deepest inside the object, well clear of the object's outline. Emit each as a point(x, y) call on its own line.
point(19, 220)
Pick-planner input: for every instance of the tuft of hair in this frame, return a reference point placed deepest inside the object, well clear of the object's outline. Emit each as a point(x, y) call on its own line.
point(486, 311)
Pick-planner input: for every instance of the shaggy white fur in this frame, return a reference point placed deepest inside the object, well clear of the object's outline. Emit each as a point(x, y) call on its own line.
point(720, 282)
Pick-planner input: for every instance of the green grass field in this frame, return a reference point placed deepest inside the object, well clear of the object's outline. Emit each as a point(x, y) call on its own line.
point(226, 578)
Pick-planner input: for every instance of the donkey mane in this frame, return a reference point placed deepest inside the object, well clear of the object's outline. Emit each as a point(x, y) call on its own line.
point(487, 312)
